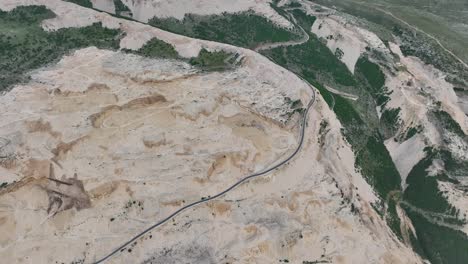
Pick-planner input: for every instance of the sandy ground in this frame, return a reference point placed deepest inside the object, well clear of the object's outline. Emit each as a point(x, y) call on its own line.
point(104, 144)
point(144, 10)
point(295, 214)
point(104, 5)
point(128, 151)
point(415, 89)
point(160, 142)
point(340, 34)
point(415, 92)
point(456, 198)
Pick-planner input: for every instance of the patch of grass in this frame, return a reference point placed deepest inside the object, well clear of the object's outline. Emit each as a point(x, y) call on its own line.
point(293, 4)
point(412, 131)
point(156, 48)
point(295, 106)
point(339, 53)
point(389, 121)
point(453, 166)
point(420, 185)
point(377, 166)
point(441, 245)
point(323, 127)
point(85, 3)
point(372, 158)
point(313, 58)
point(393, 220)
point(23, 15)
point(437, 243)
point(120, 7)
point(416, 245)
point(326, 95)
point(348, 115)
point(216, 60)
point(206, 60)
point(372, 74)
point(304, 20)
point(447, 122)
point(25, 46)
point(245, 29)
point(373, 79)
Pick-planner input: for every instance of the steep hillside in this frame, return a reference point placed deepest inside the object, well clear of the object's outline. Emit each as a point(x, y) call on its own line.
point(395, 75)
point(122, 124)
point(423, 124)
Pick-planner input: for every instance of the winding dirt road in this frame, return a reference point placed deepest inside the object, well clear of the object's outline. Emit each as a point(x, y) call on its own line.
point(263, 172)
point(230, 188)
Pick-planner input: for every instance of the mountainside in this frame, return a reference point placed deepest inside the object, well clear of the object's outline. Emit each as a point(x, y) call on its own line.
point(230, 132)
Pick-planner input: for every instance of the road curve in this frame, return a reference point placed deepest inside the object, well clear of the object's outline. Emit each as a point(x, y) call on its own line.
point(243, 180)
point(246, 178)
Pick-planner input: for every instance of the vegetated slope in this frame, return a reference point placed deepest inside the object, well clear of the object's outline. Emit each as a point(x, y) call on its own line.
point(122, 9)
point(137, 137)
point(318, 65)
point(25, 46)
point(364, 129)
point(156, 48)
point(245, 29)
point(84, 3)
point(440, 22)
point(315, 63)
point(206, 60)
point(436, 221)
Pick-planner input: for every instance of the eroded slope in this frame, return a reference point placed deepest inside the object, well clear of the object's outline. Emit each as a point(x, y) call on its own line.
point(104, 143)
